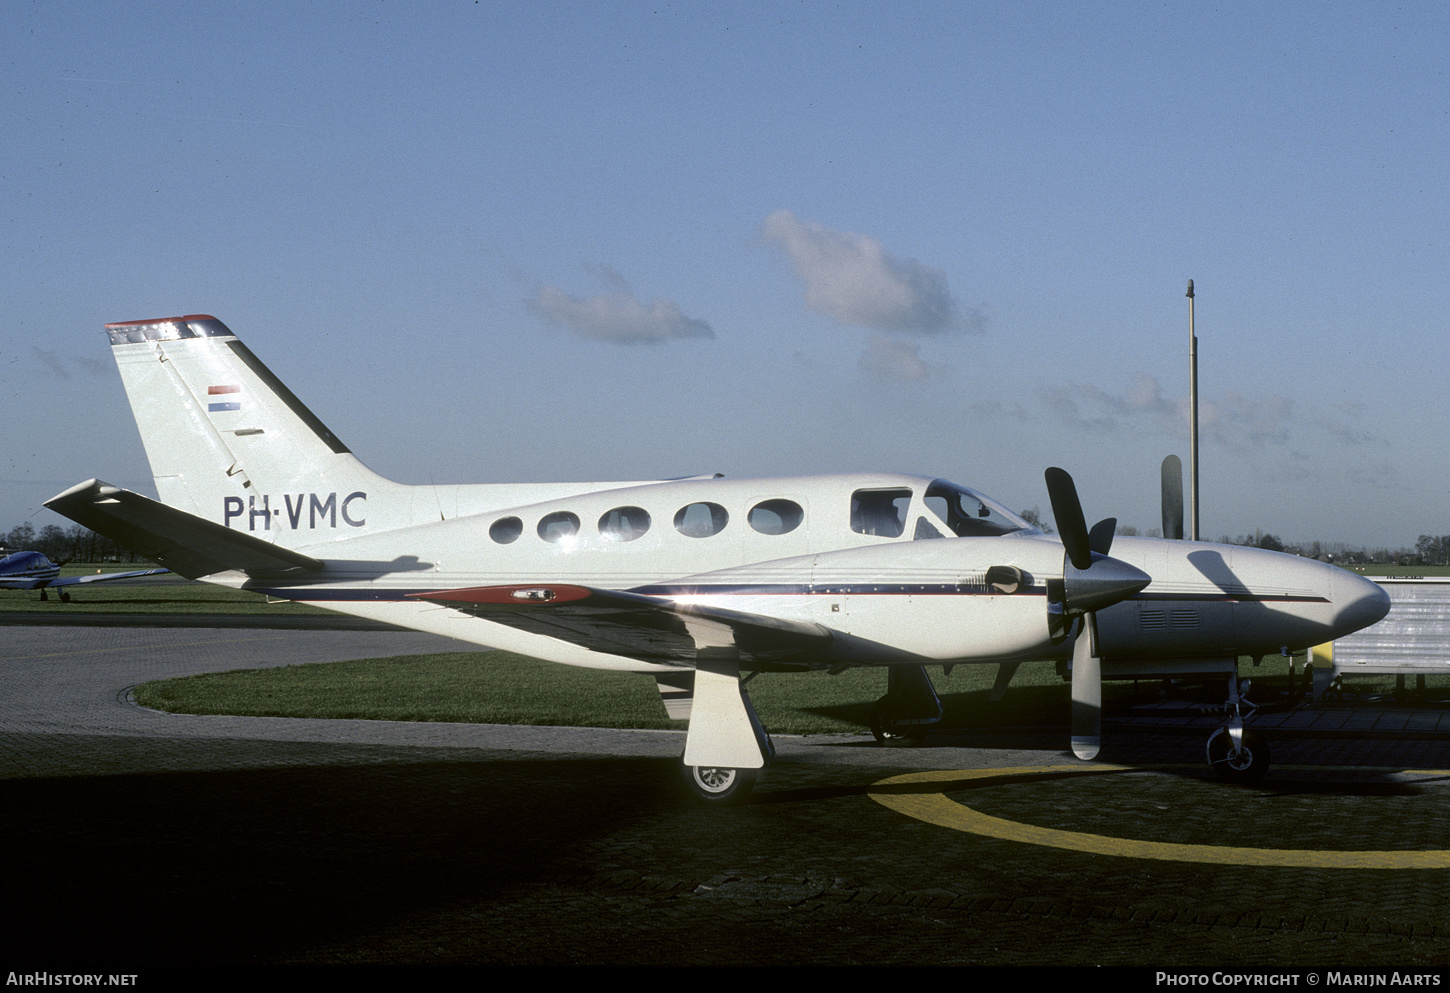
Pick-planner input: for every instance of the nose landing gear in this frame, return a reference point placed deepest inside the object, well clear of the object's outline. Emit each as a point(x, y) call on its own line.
point(1234, 752)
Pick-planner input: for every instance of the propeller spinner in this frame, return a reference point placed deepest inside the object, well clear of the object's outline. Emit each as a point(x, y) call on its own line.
point(1091, 580)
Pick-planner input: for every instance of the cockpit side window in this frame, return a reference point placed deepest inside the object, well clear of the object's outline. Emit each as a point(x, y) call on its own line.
point(880, 512)
point(970, 515)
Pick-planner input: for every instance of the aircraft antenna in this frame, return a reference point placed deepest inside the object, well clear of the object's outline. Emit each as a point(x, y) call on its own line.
point(1192, 419)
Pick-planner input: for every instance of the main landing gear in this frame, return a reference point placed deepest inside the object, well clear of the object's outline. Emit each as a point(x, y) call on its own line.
point(1234, 752)
point(719, 785)
point(908, 710)
point(726, 747)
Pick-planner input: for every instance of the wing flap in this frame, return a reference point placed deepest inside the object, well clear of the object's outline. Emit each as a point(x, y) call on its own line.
point(645, 627)
point(188, 545)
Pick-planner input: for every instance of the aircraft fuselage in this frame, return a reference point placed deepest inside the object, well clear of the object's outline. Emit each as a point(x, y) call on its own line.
point(888, 597)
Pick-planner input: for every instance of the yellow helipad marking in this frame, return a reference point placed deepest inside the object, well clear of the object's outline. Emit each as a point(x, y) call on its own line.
point(912, 795)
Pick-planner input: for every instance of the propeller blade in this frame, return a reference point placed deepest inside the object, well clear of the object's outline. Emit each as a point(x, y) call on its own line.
point(1087, 691)
point(1173, 498)
point(1067, 511)
point(1100, 538)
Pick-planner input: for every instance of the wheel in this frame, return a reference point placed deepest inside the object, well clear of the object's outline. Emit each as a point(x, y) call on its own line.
point(886, 731)
point(718, 785)
point(1247, 765)
point(64, 597)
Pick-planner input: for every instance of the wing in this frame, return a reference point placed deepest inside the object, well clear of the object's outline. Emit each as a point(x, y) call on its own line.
point(101, 577)
point(650, 628)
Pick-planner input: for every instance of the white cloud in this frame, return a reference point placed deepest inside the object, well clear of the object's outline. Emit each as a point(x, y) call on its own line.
point(1236, 420)
point(852, 278)
point(888, 358)
point(1093, 408)
point(617, 317)
point(1233, 420)
point(1344, 428)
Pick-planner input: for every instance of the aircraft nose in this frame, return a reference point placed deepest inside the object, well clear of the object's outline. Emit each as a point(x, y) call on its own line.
point(1358, 602)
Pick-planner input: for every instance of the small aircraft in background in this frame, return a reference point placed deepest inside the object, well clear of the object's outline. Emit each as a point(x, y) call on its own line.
point(695, 582)
point(33, 571)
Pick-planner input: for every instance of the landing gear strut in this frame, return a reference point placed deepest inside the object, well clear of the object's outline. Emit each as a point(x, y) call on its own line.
point(908, 710)
point(726, 746)
point(1234, 752)
point(1245, 762)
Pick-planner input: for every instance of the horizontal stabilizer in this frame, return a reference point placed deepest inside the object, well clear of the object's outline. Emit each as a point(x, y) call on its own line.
point(648, 627)
point(186, 544)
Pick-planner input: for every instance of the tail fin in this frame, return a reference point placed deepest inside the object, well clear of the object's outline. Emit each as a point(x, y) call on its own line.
point(229, 443)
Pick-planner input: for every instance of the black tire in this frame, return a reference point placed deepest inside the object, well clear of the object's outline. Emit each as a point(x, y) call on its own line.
point(1248, 766)
point(887, 732)
point(718, 785)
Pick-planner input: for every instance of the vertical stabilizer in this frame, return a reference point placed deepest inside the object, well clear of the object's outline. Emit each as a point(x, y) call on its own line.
point(230, 443)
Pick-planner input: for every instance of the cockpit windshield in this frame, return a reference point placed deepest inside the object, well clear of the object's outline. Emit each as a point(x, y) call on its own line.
point(968, 514)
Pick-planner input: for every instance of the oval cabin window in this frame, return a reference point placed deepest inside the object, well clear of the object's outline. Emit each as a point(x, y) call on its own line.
point(701, 520)
point(506, 529)
point(776, 516)
point(624, 523)
point(559, 525)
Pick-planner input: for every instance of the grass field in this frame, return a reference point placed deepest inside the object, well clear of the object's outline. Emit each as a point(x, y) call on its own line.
point(501, 688)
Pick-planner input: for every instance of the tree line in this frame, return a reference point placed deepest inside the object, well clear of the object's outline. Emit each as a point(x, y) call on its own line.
point(1433, 550)
point(76, 543)
point(1429, 550)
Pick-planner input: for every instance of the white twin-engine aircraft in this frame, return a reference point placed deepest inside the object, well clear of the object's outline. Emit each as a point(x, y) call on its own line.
point(694, 581)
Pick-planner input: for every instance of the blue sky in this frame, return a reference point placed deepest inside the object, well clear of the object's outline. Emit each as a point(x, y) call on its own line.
point(502, 242)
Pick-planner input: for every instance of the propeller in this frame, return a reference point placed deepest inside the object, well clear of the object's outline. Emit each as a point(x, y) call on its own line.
point(1173, 498)
point(1091, 580)
point(1100, 538)
point(1067, 511)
